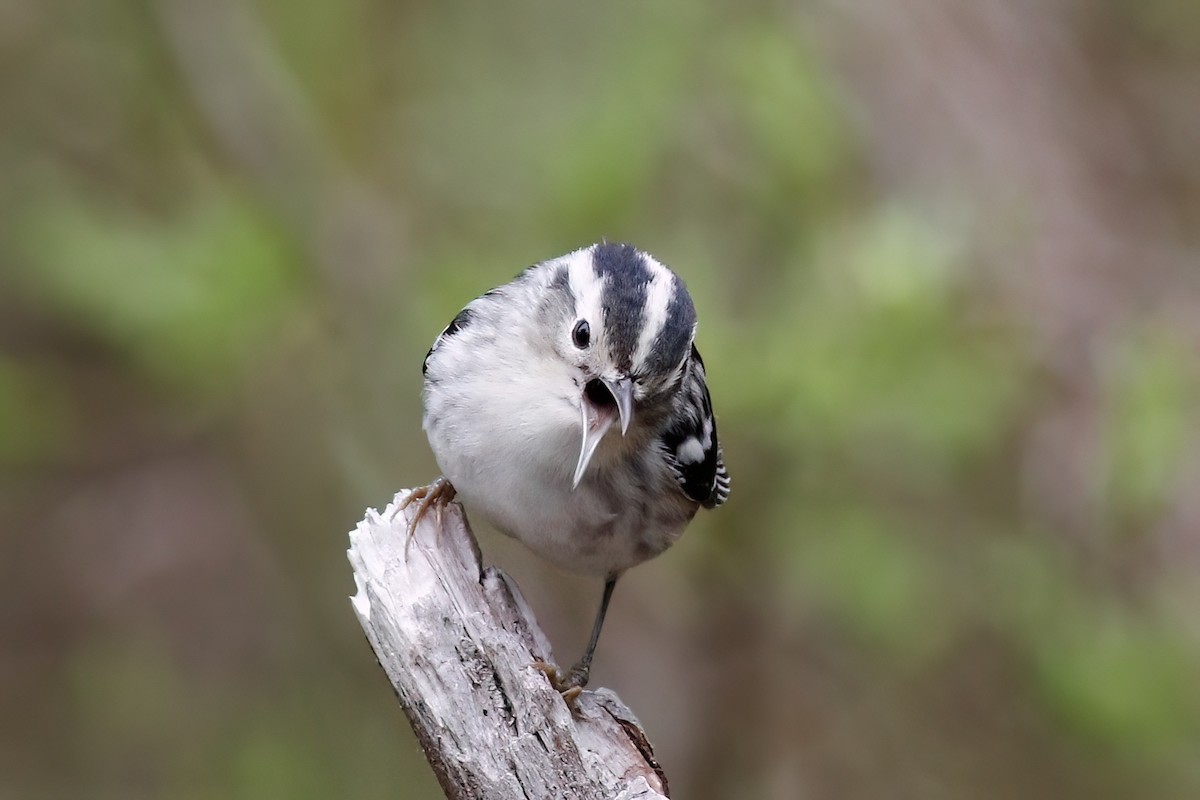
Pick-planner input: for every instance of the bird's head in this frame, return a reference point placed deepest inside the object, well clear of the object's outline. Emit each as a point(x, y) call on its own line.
point(625, 328)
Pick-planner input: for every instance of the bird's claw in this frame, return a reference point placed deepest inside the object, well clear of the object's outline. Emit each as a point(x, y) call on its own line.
point(570, 686)
point(436, 495)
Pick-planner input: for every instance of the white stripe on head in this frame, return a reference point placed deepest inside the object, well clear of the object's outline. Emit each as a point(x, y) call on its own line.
point(587, 288)
point(658, 300)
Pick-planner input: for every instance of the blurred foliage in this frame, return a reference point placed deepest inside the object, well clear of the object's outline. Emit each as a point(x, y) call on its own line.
point(1155, 392)
point(184, 298)
point(948, 314)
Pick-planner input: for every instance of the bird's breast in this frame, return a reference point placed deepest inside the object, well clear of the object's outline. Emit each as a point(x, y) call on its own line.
point(509, 440)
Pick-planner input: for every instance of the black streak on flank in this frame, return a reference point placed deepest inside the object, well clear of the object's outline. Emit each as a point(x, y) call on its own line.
point(625, 277)
point(458, 323)
point(462, 320)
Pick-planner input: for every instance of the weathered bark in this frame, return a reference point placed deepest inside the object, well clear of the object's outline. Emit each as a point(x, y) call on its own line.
point(458, 643)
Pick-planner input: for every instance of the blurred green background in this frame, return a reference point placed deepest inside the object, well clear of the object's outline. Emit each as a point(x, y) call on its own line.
point(946, 259)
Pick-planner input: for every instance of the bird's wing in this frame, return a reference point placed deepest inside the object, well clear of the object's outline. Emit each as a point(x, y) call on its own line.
point(690, 441)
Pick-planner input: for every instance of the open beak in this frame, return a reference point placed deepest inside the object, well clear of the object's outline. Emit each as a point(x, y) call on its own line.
point(602, 403)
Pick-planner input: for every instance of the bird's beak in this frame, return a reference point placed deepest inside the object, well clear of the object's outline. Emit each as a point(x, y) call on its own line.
point(603, 401)
point(622, 391)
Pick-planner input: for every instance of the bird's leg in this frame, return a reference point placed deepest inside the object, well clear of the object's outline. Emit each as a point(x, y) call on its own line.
point(435, 495)
point(571, 685)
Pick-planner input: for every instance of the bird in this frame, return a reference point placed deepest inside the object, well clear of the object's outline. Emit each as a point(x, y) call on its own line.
point(570, 407)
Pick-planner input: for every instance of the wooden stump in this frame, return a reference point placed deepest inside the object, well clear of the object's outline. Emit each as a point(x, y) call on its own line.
point(458, 644)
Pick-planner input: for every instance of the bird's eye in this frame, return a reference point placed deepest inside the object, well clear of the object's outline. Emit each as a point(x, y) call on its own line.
point(581, 335)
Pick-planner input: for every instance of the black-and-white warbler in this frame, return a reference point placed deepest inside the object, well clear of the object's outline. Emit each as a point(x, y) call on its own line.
point(570, 408)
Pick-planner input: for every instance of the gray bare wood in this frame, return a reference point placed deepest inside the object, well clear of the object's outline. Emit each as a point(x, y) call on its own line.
point(458, 644)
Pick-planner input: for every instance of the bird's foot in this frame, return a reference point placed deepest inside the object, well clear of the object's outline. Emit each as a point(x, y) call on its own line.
point(570, 686)
point(436, 495)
